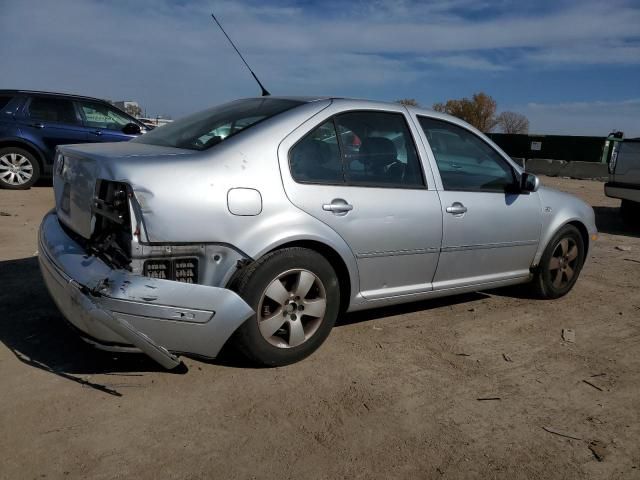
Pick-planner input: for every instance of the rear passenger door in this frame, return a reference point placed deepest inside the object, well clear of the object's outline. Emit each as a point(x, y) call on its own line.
point(491, 229)
point(360, 173)
point(54, 120)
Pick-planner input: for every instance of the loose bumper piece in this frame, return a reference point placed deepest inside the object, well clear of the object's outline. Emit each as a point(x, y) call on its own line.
point(121, 311)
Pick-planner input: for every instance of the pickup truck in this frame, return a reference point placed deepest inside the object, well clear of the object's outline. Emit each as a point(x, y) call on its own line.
point(624, 178)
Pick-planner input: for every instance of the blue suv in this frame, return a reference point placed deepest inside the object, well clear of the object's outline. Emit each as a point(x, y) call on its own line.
point(32, 124)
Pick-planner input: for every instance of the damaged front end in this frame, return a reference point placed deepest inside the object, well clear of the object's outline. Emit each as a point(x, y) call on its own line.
point(124, 293)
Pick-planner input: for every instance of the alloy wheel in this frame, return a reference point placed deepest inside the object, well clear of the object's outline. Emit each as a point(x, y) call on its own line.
point(292, 308)
point(563, 262)
point(15, 169)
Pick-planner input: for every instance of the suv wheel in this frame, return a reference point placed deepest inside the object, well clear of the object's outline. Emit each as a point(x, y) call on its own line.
point(296, 297)
point(560, 264)
point(19, 169)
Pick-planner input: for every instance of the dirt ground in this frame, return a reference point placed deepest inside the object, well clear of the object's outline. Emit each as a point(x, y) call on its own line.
point(393, 393)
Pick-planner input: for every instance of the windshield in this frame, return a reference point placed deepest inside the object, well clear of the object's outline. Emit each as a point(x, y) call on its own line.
point(205, 129)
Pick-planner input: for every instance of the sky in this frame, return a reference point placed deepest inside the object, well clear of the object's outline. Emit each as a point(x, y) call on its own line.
point(572, 67)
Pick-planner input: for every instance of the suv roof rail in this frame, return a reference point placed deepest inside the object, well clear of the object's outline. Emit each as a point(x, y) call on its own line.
point(40, 92)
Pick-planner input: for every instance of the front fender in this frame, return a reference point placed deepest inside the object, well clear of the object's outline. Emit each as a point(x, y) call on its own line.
point(559, 209)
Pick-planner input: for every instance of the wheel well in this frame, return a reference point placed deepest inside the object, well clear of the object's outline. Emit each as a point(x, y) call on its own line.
point(583, 233)
point(29, 148)
point(336, 262)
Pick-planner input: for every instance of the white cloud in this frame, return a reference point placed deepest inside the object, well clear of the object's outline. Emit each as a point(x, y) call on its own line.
point(171, 57)
point(467, 62)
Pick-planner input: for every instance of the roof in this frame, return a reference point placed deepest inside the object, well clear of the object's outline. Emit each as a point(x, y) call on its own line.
point(38, 92)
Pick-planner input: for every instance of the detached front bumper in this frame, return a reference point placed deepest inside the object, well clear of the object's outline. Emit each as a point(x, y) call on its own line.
point(122, 311)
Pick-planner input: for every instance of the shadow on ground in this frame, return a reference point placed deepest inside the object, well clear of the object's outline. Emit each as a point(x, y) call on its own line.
point(609, 220)
point(33, 329)
point(36, 333)
point(420, 306)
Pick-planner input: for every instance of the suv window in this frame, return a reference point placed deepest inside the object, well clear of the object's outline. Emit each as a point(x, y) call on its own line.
point(4, 100)
point(52, 110)
point(464, 160)
point(99, 115)
point(371, 149)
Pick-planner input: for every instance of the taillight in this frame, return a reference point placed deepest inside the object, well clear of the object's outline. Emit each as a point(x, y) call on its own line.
point(111, 201)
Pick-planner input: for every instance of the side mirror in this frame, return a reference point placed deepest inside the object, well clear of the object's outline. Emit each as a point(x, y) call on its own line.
point(132, 129)
point(529, 182)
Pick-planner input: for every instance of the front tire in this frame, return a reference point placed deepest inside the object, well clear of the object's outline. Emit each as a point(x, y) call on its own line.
point(560, 264)
point(19, 169)
point(296, 297)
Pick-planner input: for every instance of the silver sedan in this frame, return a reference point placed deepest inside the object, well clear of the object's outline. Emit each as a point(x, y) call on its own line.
point(264, 219)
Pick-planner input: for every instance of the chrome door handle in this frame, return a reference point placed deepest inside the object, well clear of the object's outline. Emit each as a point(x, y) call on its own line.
point(338, 206)
point(97, 132)
point(457, 209)
point(37, 125)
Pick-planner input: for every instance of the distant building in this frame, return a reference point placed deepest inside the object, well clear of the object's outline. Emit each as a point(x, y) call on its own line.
point(155, 121)
point(133, 108)
point(129, 106)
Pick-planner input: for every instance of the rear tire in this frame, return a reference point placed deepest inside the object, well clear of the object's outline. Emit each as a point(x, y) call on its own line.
point(19, 169)
point(560, 264)
point(296, 297)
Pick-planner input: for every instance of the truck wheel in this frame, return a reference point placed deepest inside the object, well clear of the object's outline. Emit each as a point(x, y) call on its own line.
point(560, 264)
point(296, 297)
point(18, 168)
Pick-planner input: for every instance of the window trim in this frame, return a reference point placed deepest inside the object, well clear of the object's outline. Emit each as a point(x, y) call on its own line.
point(27, 110)
point(346, 183)
point(513, 188)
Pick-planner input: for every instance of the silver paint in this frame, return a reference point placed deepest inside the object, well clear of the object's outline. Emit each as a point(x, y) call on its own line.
point(398, 245)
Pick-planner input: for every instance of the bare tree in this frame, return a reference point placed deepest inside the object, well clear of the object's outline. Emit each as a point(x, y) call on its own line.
point(479, 111)
point(512, 122)
point(410, 102)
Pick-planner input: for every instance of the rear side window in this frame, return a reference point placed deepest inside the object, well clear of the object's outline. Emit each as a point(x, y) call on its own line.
point(378, 150)
point(465, 161)
point(52, 110)
point(364, 148)
point(4, 100)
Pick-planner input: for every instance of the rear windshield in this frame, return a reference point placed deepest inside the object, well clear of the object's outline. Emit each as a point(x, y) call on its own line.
point(205, 129)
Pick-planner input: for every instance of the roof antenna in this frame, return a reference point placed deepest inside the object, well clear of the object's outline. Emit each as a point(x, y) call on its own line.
point(265, 93)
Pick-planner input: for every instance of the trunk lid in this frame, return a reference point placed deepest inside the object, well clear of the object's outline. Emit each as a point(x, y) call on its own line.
point(78, 168)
